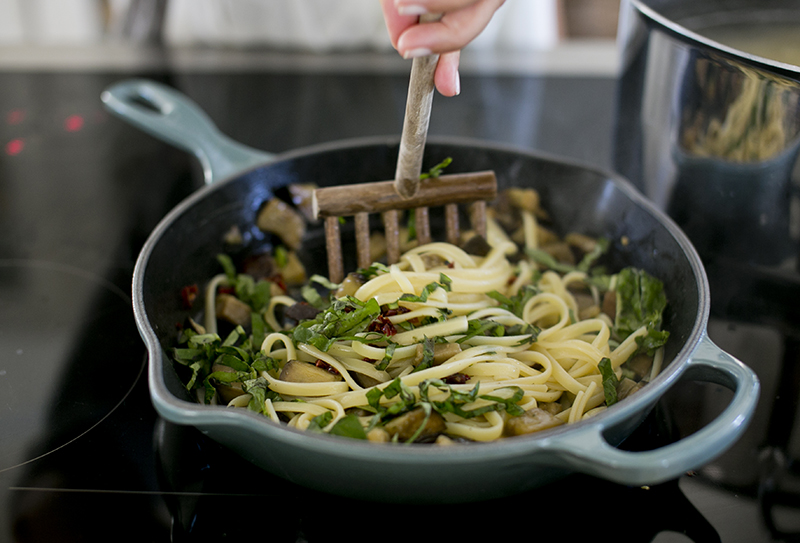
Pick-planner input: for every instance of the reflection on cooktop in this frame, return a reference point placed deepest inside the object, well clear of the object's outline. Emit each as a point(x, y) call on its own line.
point(49, 380)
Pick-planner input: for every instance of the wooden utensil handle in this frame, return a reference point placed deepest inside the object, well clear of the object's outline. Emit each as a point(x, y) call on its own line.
point(417, 118)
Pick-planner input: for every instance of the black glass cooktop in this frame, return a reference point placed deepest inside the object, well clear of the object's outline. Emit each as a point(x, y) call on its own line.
point(83, 455)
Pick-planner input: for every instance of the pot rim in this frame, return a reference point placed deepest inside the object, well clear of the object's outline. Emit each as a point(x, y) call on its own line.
point(789, 70)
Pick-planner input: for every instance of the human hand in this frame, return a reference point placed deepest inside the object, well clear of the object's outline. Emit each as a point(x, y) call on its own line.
point(462, 21)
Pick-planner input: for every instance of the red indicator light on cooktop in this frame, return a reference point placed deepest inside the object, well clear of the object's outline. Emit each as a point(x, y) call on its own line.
point(73, 123)
point(14, 147)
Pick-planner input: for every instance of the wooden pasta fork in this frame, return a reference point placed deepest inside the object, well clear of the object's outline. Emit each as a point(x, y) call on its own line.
point(406, 191)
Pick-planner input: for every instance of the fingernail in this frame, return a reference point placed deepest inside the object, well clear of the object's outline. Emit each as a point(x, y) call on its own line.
point(457, 84)
point(416, 53)
point(411, 9)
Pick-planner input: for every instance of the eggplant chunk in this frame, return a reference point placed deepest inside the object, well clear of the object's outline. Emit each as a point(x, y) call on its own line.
point(627, 387)
point(533, 420)
point(365, 380)
point(406, 426)
point(609, 306)
point(433, 261)
point(350, 285)
point(301, 311)
point(302, 372)
point(293, 272)
point(641, 365)
point(261, 266)
point(442, 352)
point(302, 194)
point(232, 309)
point(476, 245)
point(227, 391)
point(280, 218)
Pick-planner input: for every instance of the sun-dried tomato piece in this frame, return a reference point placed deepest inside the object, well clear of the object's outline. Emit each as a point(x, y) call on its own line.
point(456, 379)
point(325, 366)
point(188, 296)
point(382, 325)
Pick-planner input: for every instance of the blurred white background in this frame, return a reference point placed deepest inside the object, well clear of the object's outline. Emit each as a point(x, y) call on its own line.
point(310, 25)
point(525, 36)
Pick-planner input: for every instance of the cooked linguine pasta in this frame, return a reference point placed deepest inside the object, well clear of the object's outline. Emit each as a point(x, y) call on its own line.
point(443, 346)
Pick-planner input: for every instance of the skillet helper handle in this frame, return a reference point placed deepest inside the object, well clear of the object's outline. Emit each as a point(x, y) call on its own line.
point(589, 452)
point(174, 118)
point(416, 120)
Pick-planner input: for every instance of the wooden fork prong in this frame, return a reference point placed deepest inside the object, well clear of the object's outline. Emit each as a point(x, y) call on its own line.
point(333, 245)
point(361, 200)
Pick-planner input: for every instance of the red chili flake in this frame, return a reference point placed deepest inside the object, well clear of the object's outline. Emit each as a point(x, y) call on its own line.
point(382, 325)
point(188, 296)
point(327, 367)
point(227, 290)
point(511, 280)
point(451, 265)
point(456, 379)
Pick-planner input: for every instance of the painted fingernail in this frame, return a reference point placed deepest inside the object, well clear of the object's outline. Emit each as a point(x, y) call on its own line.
point(416, 53)
point(411, 9)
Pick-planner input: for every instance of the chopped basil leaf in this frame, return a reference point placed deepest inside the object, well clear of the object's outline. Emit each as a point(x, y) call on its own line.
point(651, 341)
point(610, 381)
point(546, 259)
point(346, 317)
point(412, 224)
point(640, 302)
point(482, 327)
point(374, 270)
point(588, 260)
point(437, 170)
point(348, 426)
point(324, 281)
point(313, 297)
point(319, 422)
point(515, 304)
point(444, 282)
point(281, 256)
point(227, 266)
point(509, 404)
point(427, 355)
point(387, 358)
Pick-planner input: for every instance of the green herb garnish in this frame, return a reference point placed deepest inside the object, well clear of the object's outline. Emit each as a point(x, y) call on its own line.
point(610, 381)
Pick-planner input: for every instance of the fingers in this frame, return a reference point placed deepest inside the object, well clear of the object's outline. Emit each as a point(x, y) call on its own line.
point(457, 27)
point(446, 77)
point(396, 23)
point(462, 21)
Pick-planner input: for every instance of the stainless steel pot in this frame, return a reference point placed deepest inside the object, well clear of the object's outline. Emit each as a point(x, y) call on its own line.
point(180, 252)
point(708, 132)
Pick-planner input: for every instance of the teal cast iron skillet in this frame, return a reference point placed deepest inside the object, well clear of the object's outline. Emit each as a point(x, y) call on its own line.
point(181, 249)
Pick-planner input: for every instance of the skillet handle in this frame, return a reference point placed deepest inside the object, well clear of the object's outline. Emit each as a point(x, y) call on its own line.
point(174, 118)
point(589, 452)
